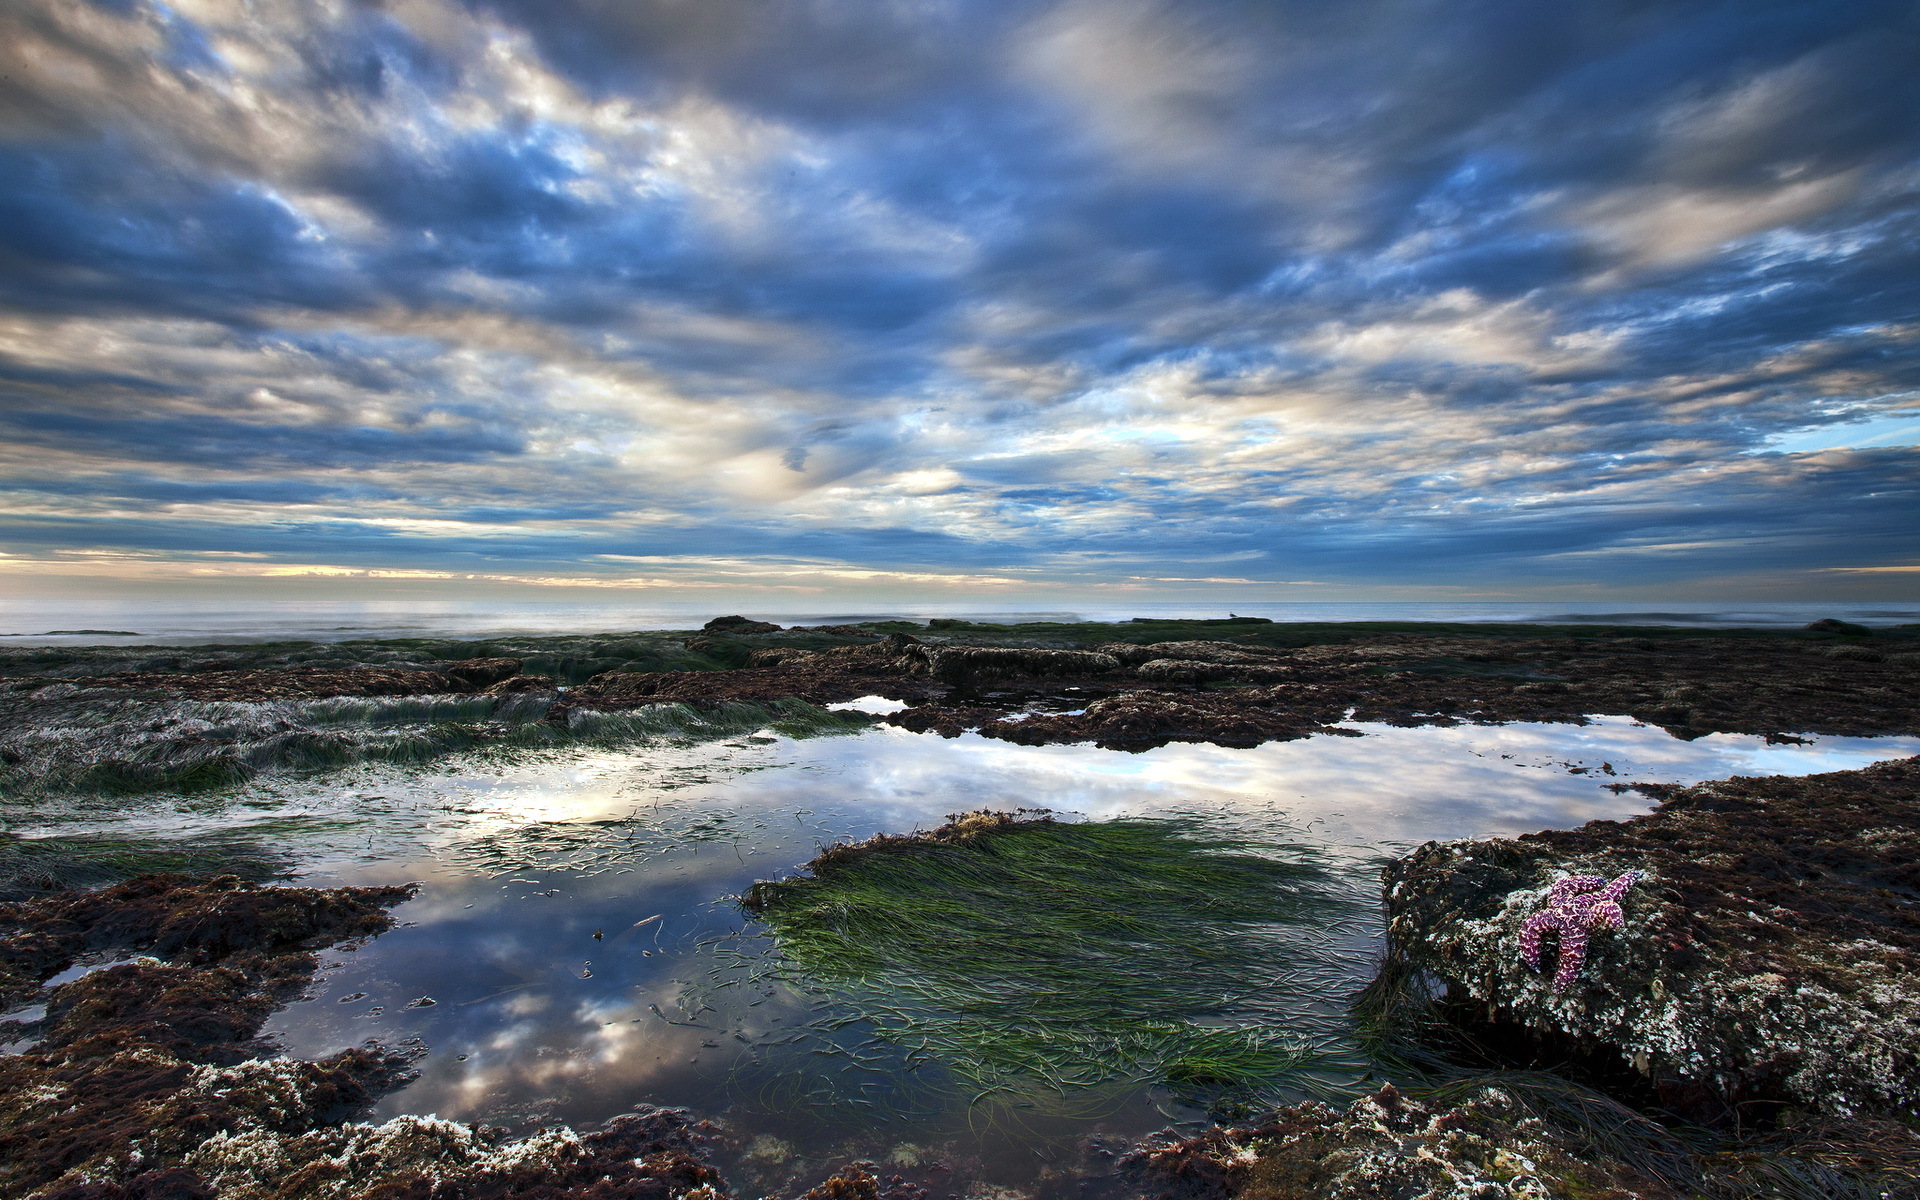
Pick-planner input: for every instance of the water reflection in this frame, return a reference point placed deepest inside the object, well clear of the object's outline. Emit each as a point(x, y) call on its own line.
point(575, 950)
point(534, 1019)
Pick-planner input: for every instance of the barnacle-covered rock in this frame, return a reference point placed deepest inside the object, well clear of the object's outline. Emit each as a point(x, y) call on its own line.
point(1772, 951)
point(651, 1154)
point(1487, 1146)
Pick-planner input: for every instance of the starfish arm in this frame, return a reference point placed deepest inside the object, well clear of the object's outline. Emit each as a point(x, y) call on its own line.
point(1618, 888)
point(1573, 955)
point(1530, 932)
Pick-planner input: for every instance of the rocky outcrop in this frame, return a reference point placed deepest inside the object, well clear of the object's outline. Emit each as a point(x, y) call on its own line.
point(475, 674)
point(1142, 720)
point(738, 624)
point(1487, 1145)
point(650, 1154)
point(1770, 952)
point(968, 667)
point(1188, 670)
point(291, 683)
point(135, 1064)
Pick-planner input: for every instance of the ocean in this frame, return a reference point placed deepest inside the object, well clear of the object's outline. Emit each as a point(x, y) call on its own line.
point(136, 622)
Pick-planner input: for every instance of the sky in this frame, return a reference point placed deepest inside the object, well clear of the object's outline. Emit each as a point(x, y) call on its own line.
point(991, 300)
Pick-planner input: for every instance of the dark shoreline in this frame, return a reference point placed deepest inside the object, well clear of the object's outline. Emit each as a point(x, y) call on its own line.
point(1125, 688)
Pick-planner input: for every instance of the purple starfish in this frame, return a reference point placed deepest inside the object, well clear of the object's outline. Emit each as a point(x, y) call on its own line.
point(1575, 907)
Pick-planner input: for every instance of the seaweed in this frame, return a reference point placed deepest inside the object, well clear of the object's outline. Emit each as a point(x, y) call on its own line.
point(1028, 954)
point(40, 865)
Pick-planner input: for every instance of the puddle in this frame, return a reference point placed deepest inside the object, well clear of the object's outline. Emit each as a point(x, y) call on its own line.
point(578, 941)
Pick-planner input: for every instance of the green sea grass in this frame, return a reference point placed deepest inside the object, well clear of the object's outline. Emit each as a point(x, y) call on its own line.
point(1029, 955)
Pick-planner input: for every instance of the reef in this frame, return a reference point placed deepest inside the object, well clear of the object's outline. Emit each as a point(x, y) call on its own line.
point(1488, 1144)
point(1132, 696)
point(128, 1067)
point(1767, 960)
point(116, 719)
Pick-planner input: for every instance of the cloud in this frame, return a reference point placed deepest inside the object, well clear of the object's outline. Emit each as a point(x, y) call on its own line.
point(1010, 294)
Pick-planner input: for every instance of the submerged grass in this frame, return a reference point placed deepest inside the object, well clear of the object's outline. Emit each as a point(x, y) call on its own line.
point(120, 746)
point(1027, 954)
point(35, 866)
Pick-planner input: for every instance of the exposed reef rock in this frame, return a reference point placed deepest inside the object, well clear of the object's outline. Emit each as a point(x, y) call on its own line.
point(1127, 696)
point(288, 684)
point(967, 667)
point(1141, 720)
point(1770, 954)
point(136, 1063)
point(1487, 1146)
point(738, 624)
point(651, 1154)
point(93, 718)
point(959, 829)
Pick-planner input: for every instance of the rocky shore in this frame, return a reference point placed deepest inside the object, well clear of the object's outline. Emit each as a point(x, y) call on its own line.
point(98, 719)
point(1739, 965)
point(1768, 953)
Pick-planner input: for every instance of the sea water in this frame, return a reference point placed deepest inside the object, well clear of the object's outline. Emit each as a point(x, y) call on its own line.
point(35, 622)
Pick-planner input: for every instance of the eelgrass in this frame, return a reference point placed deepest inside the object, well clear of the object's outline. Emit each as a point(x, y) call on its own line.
point(1042, 954)
point(112, 748)
point(34, 866)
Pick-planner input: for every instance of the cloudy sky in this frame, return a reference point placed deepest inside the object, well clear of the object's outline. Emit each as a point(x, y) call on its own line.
point(978, 298)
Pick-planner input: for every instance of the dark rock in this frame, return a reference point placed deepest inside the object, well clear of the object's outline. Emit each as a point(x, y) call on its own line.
point(968, 666)
point(522, 683)
point(739, 625)
point(475, 674)
point(283, 684)
point(1830, 625)
point(1487, 1145)
point(123, 1060)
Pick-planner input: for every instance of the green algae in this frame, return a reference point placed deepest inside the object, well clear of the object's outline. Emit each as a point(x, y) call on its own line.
point(39, 865)
point(1032, 956)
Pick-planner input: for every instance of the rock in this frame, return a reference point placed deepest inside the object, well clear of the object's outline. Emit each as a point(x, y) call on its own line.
point(1143, 720)
point(1181, 670)
point(286, 683)
point(1854, 654)
point(1215, 652)
point(1830, 625)
point(738, 624)
point(475, 674)
point(1193, 651)
point(966, 666)
point(139, 1063)
point(1770, 954)
point(521, 683)
point(1487, 1145)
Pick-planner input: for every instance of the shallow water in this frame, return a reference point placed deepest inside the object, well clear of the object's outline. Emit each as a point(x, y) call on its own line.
point(681, 999)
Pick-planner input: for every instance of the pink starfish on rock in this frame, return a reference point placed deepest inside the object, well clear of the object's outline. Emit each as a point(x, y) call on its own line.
point(1575, 907)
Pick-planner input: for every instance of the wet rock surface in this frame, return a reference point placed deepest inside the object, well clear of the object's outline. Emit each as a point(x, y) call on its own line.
point(137, 1062)
point(1129, 697)
point(96, 719)
point(1769, 957)
point(290, 683)
point(1488, 1146)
